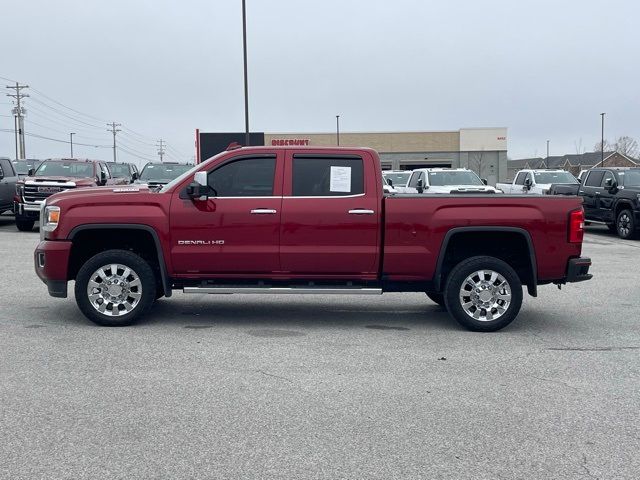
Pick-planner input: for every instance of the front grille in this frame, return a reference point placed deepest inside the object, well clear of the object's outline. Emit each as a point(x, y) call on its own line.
point(38, 193)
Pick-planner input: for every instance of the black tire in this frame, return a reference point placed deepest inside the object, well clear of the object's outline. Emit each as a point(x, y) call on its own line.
point(25, 224)
point(437, 298)
point(457, 279)
point(626, 225)
point(137, 265)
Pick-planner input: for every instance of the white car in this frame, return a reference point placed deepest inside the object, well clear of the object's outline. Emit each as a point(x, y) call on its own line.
point(537, 181)
point(446, 180)
point(396, 178)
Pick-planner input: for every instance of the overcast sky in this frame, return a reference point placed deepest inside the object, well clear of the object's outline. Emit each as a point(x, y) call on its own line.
point(544, 69)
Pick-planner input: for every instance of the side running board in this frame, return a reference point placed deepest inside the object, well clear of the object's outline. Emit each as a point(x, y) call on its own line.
point(305, 290)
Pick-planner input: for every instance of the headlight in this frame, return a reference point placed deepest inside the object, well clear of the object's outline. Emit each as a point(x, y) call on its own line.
point(50, 218)
point(20, 189)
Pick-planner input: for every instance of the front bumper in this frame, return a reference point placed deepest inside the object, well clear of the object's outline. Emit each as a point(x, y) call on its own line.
point(578, 270)
point(30, 210)
point(51, 261)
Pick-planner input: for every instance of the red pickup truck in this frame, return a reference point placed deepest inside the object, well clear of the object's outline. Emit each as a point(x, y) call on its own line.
point(304, 220)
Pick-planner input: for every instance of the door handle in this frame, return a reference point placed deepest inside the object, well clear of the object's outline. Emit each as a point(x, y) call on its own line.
point(361, 211)
point(597, 193)
point(263, 211)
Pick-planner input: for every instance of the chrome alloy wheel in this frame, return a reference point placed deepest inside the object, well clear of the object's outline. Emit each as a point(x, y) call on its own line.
point(624, 224)
point(114, 290)
point(485, 295)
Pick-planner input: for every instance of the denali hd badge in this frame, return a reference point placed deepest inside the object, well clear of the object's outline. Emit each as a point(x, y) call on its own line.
point(200, 242)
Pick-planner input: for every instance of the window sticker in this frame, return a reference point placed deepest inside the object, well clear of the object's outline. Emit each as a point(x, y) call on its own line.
point(340, 179)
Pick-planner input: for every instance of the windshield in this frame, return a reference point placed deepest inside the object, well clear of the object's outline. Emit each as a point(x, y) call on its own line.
point(444, 178)
point(398, 179)
point(65, 169)
point(119, 169)
point(630, 178)
point(162, 172)
point(554, 177)
point(188, 173)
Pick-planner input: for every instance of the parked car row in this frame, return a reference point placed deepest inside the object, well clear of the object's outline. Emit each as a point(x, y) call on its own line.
point(437, 181)
point(26, 184)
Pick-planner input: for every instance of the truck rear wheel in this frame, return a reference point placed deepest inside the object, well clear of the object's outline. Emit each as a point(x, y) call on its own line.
point(24, 224)
point(115, 288)
point(483, 294)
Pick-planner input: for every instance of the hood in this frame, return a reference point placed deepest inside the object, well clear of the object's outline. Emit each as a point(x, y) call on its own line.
point(80, 182)
point(115, 192)
point(463, 188)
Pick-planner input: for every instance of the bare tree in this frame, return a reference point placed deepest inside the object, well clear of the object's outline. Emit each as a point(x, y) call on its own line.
point(579, 146)
point(477, 158)
point(627, 146)
point(607, 146)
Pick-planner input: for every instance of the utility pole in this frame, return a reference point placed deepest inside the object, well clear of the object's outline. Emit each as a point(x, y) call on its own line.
point(114, 129)
point(338, 129)
point(18, 113)
point(161, 150)
point(71, 138)
point(602, 142)
point(247, 140)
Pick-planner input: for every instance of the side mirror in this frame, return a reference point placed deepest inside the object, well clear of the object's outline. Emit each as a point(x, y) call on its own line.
point(420, 186)
point(31, 171)
point(134, 176)
point(103, 178)
point(527, 183)
point(1, 173)
point(389, 182)
point(610, 184)
point(198, 189)
point(484, 181)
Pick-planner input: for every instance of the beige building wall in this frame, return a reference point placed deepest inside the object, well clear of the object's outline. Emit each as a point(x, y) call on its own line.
point(383, 142)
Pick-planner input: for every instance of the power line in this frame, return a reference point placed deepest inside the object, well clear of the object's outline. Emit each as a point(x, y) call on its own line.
point(65, 106)
point(64, 114)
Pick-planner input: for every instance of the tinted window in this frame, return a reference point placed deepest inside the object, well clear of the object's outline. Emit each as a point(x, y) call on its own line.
point(520, 178)
point(7, 169)
point(314, 177)
point(250, 177)
point(594, 179)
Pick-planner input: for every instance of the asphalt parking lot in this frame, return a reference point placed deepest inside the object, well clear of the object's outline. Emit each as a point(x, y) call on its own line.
point(309, 387)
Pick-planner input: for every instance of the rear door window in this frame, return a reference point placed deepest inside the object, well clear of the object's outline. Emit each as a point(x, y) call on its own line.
point(327, 176)
point(7, 168)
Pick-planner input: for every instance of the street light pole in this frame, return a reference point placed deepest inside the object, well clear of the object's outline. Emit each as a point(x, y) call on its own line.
point(71, 142)
point(602, 142)
point(546, 161)
point(247, 140)
point(338, 129)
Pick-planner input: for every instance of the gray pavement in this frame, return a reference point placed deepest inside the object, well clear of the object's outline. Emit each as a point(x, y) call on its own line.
point(329, 388)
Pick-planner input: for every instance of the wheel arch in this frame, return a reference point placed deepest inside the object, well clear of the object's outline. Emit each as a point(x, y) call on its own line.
point(159, 255)
point(470, 232)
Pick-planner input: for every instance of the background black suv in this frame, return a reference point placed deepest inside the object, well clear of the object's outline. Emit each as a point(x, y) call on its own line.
point(612, 196)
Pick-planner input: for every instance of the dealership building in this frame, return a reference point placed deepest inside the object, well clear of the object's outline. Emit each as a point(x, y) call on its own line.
point(483, 150)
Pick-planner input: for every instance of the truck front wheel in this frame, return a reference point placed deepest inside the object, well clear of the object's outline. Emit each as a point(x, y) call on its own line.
point(115, 288)
point(483, 294)
point(626, 225)
point(24, 224)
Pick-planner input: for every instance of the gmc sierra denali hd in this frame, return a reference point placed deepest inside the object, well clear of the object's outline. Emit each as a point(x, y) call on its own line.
point(302, 220)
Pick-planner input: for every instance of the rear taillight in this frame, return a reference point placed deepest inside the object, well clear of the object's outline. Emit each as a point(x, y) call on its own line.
point(576, 226)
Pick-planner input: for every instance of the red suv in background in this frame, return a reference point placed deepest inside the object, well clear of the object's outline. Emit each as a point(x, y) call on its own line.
point(53, 176)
